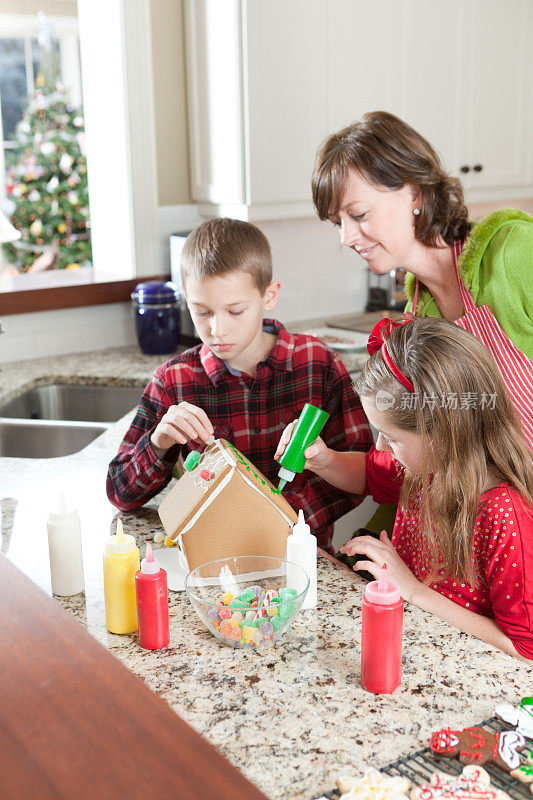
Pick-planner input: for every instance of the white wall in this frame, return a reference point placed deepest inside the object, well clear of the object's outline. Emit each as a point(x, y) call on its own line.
point(68, 330)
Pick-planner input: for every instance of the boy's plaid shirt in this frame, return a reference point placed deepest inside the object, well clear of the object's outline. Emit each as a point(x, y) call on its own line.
point(252, 413)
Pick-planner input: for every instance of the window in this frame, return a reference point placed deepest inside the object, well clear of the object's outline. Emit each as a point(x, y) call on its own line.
point(22, 41)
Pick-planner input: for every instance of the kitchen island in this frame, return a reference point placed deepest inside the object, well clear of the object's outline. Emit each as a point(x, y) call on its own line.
point(291, 716)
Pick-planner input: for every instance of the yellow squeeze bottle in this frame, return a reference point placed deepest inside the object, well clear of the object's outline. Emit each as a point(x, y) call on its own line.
point(121, 562)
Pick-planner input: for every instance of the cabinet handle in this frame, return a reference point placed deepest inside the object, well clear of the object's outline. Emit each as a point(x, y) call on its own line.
point(478, 167)
point(465, 168)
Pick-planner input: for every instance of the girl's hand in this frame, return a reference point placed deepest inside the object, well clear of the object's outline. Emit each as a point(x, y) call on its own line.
point(316, 454)
point(381, 551)
point(180, 424)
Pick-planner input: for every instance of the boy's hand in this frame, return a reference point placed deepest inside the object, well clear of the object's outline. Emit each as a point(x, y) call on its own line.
point(381, 551)
point(181, 424)
point(316, 453)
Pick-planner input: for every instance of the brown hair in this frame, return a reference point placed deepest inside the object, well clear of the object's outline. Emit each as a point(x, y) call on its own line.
point(468, 427)
point(223, 245)
point(389, 153)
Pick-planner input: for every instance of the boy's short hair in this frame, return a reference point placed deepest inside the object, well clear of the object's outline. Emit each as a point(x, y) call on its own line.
point(223, 245)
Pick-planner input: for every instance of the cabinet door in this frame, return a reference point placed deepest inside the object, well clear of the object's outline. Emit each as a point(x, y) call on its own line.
point(215, 101)
point(363, 50)
point(285, 71)
point(430, 62)
point(497, 91)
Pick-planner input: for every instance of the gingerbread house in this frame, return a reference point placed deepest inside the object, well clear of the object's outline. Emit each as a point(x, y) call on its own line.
point(223, 506)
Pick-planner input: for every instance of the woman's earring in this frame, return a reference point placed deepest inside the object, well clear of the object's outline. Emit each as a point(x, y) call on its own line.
point(416, 211)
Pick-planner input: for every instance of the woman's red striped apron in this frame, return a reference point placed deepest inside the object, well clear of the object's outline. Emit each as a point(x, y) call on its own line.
point(515, 367)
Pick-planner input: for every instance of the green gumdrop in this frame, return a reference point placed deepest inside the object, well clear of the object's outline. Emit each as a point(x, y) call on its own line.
point(248, 595)
point(192, 460)
point(285, 610)
point(285, 593)
point(238, 603)
point(277, 622)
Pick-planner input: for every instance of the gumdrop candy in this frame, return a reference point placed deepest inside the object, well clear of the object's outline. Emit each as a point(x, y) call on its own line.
point(286, 609)
point(191, 461)
point(247, 595)
point(247, 633)
point(235, 633)
point(212, 613)
point(237, 616)
point(267, 629)
point(256, 636)
point(272, 611)
point(256, 590)
point(285, 593)
point(277, 622)
point(226, 630)
point(227, 598)
point(224, 613)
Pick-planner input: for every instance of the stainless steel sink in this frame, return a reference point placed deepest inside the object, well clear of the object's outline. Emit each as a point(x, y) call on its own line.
point(76, 403)
point(45, 439)
point(59, 420)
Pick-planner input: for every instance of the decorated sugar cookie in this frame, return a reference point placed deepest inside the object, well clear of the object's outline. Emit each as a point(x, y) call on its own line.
point(524, 773)
point(472, 784)
point(478, 746)
point(374, 785)
point(520, 716)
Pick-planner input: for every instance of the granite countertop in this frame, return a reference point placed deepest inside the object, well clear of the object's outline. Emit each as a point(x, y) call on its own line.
point(291, 716)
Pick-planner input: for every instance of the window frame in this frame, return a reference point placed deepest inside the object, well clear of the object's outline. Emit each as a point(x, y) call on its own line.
point(134, 254)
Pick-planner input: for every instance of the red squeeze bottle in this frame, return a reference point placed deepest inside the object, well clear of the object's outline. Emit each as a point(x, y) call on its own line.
point(381, 639)
point(152, 603)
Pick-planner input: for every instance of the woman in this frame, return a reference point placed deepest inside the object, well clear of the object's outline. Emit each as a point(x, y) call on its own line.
point(385, 187)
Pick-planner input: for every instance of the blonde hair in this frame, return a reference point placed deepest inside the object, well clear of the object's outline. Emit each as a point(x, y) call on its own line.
point(223, 245)
point(389, 153)
point(460, 445)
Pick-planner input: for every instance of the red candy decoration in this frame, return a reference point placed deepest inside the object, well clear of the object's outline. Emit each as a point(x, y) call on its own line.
point(206, 474)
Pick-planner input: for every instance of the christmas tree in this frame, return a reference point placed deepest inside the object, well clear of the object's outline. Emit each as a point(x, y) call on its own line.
point(47, 182)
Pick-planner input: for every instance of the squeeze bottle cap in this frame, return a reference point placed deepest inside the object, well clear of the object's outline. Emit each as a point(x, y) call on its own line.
point(62, 516)
point(382, 592)
point(301, 528)
point(149, 565)
point(121, 542)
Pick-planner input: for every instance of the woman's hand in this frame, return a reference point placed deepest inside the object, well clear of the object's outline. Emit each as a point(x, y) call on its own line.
point(380, 551)
point(182, 423)
point(316, 454)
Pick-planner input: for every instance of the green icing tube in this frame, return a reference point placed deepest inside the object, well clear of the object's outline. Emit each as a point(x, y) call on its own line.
point(310, 424)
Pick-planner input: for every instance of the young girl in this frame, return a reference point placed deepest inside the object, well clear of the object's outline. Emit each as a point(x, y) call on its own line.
point(450, 451)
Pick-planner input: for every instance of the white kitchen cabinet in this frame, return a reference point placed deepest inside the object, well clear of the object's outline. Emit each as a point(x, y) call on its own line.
point(267, 81)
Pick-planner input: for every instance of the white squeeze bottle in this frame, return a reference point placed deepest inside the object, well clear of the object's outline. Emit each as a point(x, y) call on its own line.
point(301, 550)
point(64, 549)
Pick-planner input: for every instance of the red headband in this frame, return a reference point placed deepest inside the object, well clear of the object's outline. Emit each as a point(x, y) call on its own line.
point(377, 341)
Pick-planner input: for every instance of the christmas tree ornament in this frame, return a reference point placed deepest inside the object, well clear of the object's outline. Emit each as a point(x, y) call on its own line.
point(36, 228)
point(65, 163)
point(47, 148)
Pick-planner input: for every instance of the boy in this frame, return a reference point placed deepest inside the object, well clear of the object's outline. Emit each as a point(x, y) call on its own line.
point(245, 383)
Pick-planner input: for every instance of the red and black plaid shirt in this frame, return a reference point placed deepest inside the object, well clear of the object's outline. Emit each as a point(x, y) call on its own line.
point(252, 413)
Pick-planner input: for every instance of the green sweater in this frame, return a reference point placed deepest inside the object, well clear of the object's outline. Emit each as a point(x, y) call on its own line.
point(496, 266)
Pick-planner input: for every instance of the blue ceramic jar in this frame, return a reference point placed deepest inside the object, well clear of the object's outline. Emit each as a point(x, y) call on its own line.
point(157, 316)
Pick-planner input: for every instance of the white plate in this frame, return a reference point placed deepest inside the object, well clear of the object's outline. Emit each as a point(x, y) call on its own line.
point(348, 340)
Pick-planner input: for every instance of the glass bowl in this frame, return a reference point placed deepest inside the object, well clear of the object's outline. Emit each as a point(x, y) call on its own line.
point(247, 601)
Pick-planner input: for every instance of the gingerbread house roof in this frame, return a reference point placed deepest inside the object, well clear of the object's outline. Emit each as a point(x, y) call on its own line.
point(197, 489)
